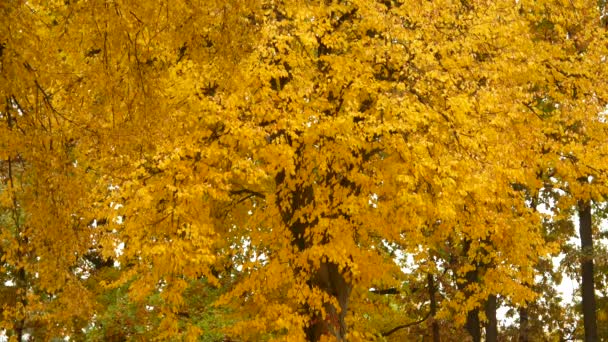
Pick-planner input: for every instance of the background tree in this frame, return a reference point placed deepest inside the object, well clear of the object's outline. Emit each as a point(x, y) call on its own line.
point(43, 198)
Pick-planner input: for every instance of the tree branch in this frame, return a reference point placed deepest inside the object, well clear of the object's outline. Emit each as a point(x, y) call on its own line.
point(391, 290)
point(248, 193)
point(397, 328)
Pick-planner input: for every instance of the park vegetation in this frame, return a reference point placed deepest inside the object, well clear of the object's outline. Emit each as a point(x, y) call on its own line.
point(252, 170)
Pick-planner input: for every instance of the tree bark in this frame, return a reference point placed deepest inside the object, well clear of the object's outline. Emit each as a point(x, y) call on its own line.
point(432, 291)
point(473, 324)
point(328, 277)
point(492, 324)
point(587, 284)
point(524, 325)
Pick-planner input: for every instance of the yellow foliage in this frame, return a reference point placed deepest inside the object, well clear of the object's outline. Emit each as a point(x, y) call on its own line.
point(289, 152)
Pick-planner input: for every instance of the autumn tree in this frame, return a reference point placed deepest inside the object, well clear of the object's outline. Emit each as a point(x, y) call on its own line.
point(285, 153)
point(569, 99)
point(43, 190)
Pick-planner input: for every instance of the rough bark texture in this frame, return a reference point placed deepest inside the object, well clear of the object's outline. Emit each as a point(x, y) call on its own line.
point(587, 286)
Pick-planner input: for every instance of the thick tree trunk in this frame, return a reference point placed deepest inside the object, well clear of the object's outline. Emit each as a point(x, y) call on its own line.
point(524, 325)
point(432, 291)
point(492, 324)
point(473, 325)
point(588, 291)
point(327, 278)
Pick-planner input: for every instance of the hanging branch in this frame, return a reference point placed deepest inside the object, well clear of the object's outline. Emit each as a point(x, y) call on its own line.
point(397, 328)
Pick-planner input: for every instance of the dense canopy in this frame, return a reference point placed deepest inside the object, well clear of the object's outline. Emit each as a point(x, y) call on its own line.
point(303, 170)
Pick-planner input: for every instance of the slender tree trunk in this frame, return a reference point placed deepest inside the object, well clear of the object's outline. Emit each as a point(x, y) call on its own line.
point(432, 291)
point(492, 324)
point(524, 325)
point(20, 276)
point(20, 322)
point(524, 317)
point(588, 291)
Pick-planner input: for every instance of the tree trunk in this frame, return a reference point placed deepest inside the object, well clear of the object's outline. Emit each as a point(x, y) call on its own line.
point(20, 279)
point(327, 278)
point(434, 324)
point(473, 324)
point(524, 325)
point(588, 291)
point(492, 324)
point(524, 317)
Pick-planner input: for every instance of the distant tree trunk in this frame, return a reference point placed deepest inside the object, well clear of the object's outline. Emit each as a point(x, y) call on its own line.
point(492, 325)
point(524, 325)
point(432, 291)
point(20, 279)
point(588, 291)
point(524, 317)
point(21, 284)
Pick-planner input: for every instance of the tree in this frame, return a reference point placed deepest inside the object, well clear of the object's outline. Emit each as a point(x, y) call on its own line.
point(287, 153)
point(568, 100)
point(43, 192)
